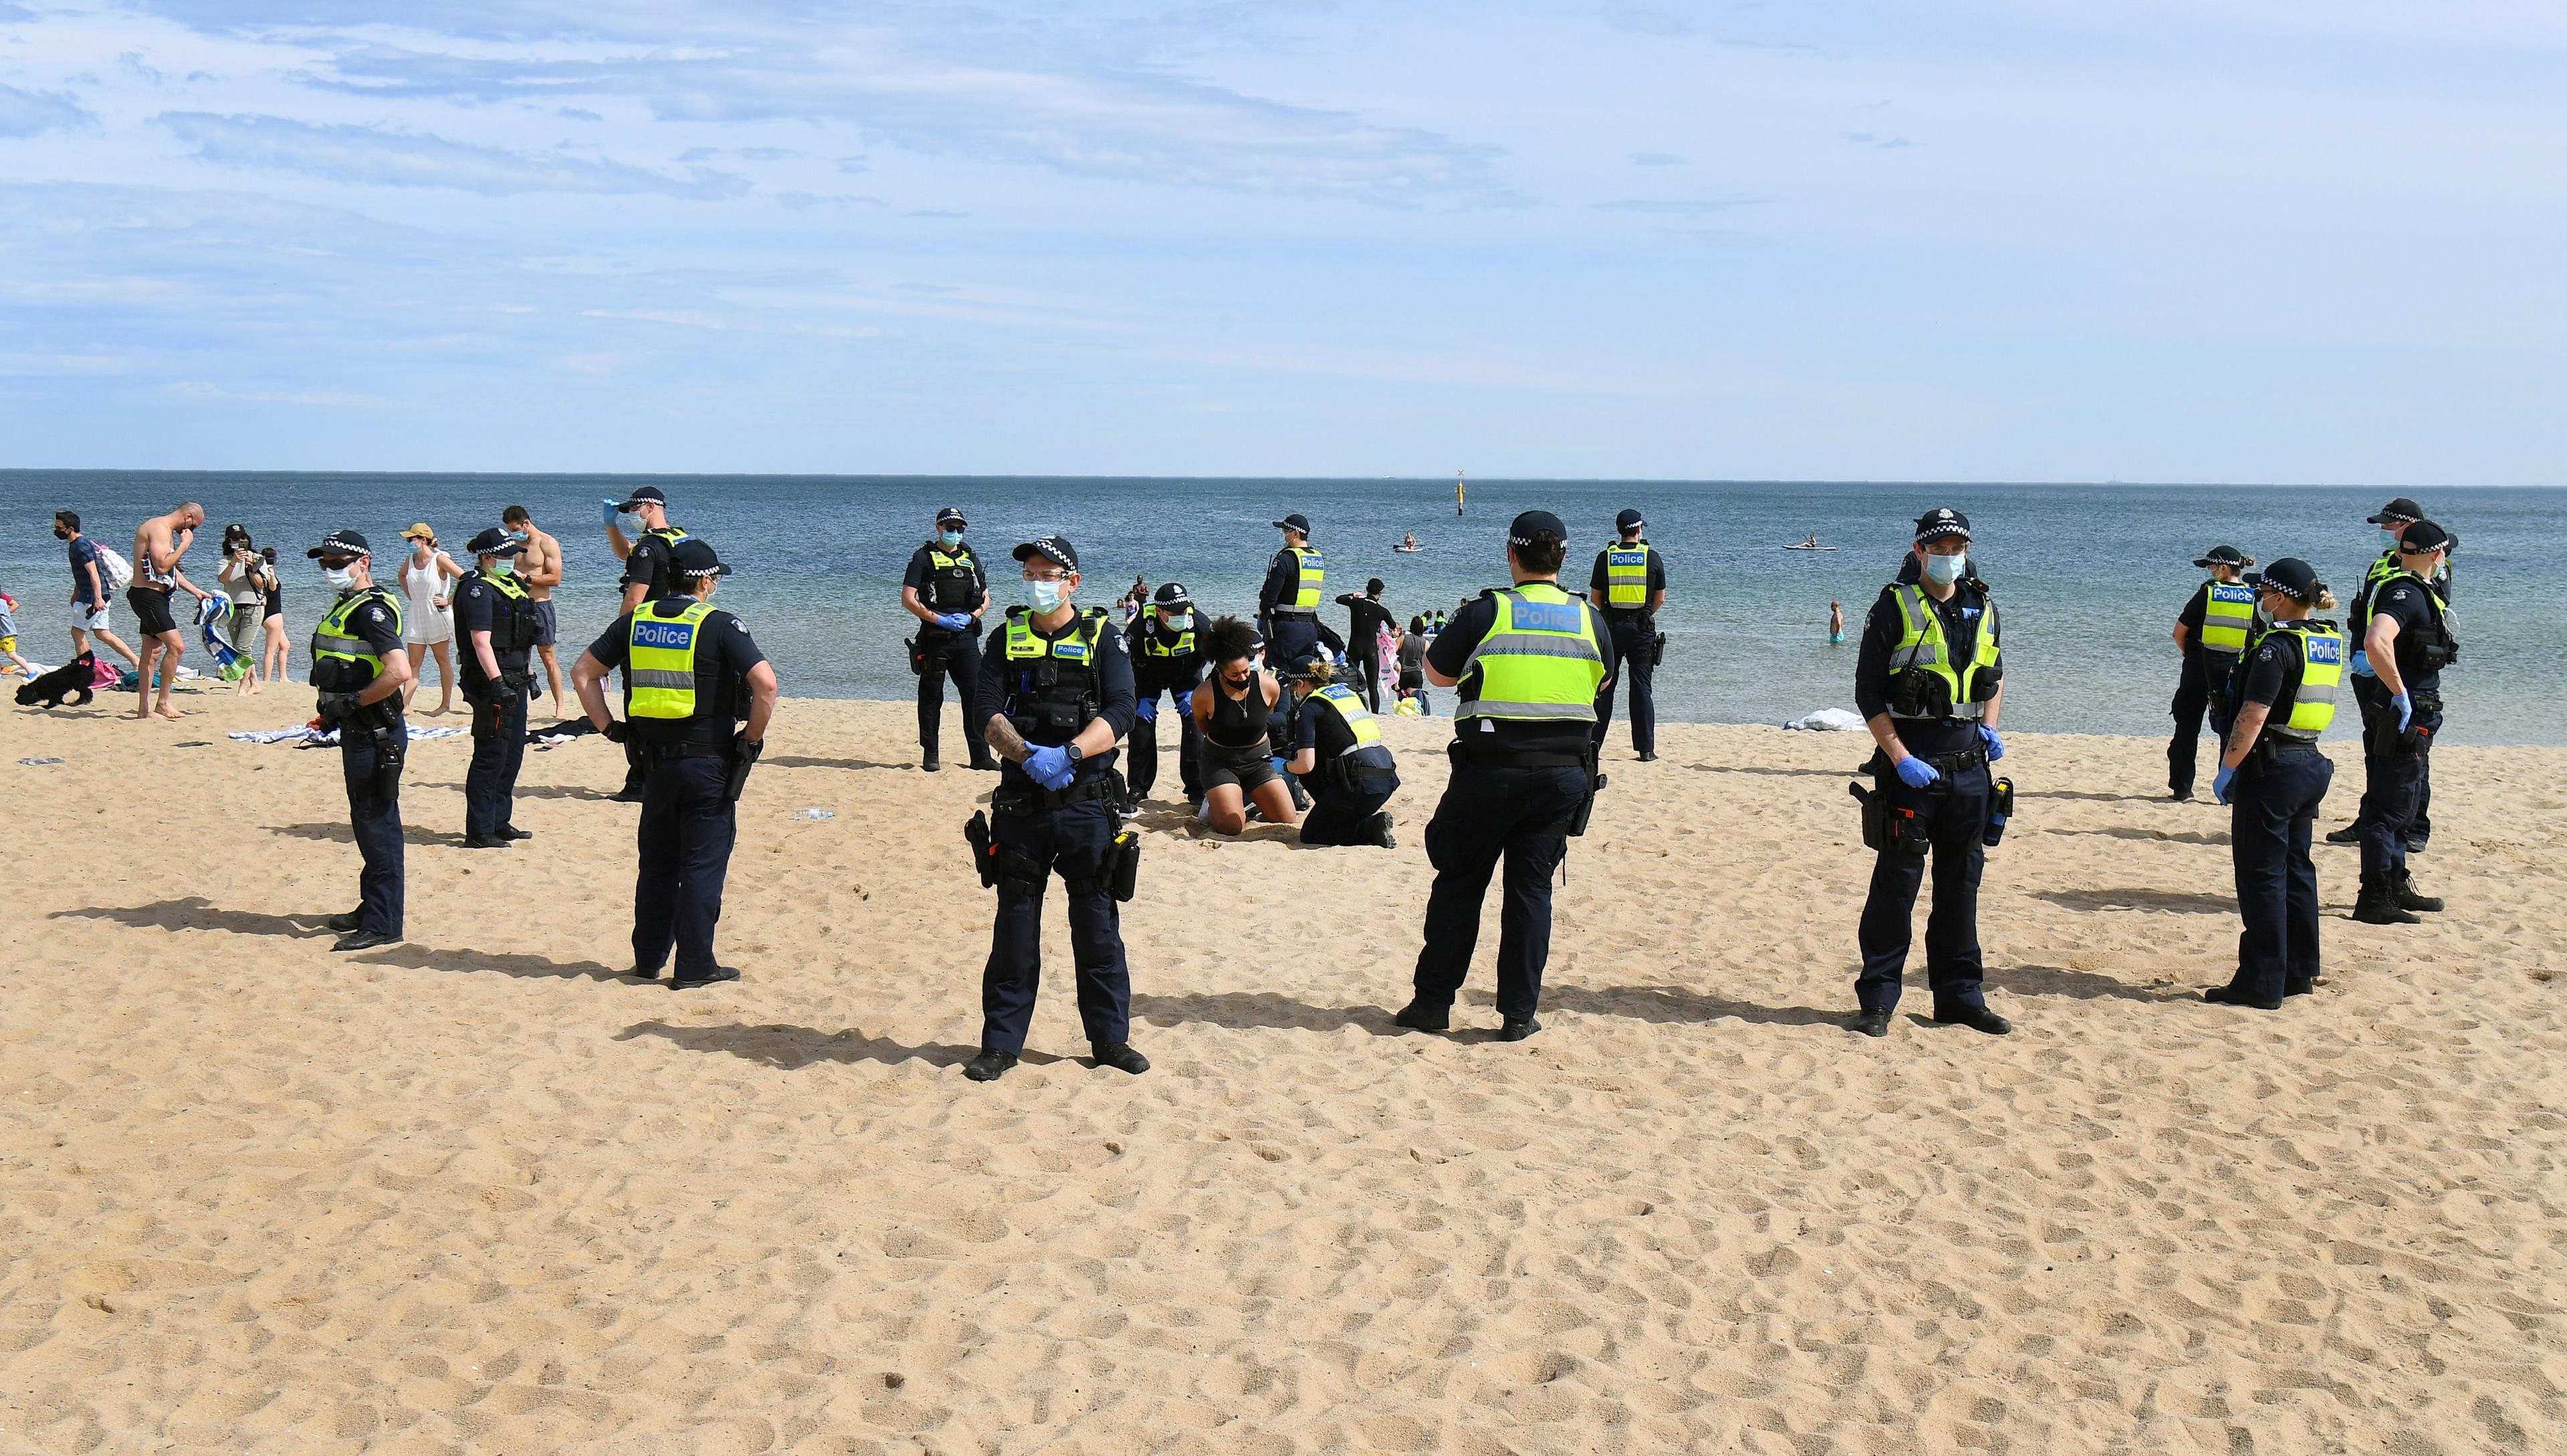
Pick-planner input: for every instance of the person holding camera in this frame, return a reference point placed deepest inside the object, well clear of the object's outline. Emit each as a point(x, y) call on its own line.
point(244, 576)
point(1930, 681)
point(2407, 643)
point(697, 697)
point(1529, 660)
point(496, 616)
point(361, 672)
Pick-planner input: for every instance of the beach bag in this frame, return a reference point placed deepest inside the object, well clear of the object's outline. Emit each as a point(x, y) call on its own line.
point(117, 571)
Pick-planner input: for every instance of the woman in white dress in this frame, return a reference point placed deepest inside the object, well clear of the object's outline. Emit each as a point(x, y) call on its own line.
point(428, 613)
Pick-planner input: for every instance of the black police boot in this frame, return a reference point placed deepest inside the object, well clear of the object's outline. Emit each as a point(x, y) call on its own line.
point(1871, 1021)
point(1417, 1016)
point(487, 841)
point(1977, 1019)
point(346, 923)
point(989, 1065)
point(2299, 985)
point(2372, 905)
point(511, 831)
point(1300, 795)
point(363, 940)
point(2417, 846)
point(714, 976)
point(646, 973)
point(1381, 832)
point(2229, 996)
point(931, 763)
point(1517, 1031)
point(1649, 758)
point(1119, 1056)
point(2349, 835)
point(2402, 893)
point(628, 796)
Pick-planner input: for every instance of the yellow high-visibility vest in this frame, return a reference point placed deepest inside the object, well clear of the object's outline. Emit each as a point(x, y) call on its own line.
point(2227, 614)
point(659, 666)
point(1542, 659)
point(332, 642)
point(1626, 576)
point(2323, 652)
point(1922, 648)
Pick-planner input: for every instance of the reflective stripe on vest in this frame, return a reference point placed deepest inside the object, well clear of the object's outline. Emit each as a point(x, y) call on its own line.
point(1314, 577)
point(1357, 717)
point(1922, 649)
point(2226, 615)
point(331, 641)
point(659, 666)
point(1627, 575)
point(2321, 658)
point(1541, 659)
point(1153, 645)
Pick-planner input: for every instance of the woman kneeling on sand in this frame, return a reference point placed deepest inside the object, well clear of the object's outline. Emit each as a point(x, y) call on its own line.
point(1230, 710)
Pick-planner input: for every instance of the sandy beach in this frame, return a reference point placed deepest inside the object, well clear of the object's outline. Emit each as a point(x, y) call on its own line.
point(480, 1193)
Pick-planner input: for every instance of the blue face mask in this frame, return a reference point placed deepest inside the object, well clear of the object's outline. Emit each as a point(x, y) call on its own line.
point(2389, 537)
point(1046, 596)
point(1944, 570)
point(951, 539)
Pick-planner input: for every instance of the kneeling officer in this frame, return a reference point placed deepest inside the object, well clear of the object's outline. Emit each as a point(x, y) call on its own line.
point(496, 619)
point(2273, 777)
point(1057, 687)
point(1929, 683)
point(359, 668)
point(1338, 755)
point(690, 672)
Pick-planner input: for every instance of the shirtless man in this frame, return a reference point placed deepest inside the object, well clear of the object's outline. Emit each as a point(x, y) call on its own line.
point(158, 543)
point(541, 567)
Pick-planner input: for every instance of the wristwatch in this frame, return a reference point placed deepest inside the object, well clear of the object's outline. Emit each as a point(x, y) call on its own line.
point(1075, 753)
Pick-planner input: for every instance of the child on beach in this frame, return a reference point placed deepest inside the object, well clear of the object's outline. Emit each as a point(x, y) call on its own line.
point(9, 634)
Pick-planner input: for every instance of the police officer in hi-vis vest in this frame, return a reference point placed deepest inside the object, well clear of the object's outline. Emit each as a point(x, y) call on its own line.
point(1529, 660)
point(640, 533)
point(2210, 632)
point(1167, 659)
point(1057, 685)
point(1929, 682)
point(698, 696)
point(2407, 640)
point(1287, 602)
point(2272, 778)
point(2392, 520)
point(359, 670)
point(1630, 583)
point(1338, 755)
point(947, 591)
point(497, 621)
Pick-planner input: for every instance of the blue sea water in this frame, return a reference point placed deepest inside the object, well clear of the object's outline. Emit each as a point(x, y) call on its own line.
point(2090, 577)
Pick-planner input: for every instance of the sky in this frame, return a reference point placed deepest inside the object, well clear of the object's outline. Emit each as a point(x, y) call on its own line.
point(2295, 241)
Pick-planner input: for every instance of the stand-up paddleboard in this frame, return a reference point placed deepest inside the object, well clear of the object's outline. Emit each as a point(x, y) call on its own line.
point(1803, 546)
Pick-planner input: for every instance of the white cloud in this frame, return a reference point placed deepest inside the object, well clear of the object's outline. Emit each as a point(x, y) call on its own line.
point(372, 157)
point(29, 113)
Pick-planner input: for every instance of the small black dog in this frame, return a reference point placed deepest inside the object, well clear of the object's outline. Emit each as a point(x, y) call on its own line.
point(68, 682)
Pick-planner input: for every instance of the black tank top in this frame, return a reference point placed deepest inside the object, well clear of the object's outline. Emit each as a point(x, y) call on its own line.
point(1239, 724)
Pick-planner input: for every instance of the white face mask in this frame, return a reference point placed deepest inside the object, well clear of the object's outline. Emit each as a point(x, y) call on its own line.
point(1046, 595)
point(342, 578)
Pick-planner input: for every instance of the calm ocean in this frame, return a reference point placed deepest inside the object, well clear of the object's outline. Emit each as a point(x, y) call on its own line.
point(2089, 576)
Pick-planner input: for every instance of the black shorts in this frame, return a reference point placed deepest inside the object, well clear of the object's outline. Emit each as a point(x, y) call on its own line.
point(1248, 768)
point(152, 607)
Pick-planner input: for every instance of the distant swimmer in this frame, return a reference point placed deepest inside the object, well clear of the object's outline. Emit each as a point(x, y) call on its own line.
point(1930, 682)
point(2210, 632)
point(1630, 583)
point(1408, 544)
point(1835, 623)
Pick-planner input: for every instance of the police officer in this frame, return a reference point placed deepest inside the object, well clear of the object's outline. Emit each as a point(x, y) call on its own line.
point(499, 626)
point(947, 591)
point(2409, 642)
point(1630, 581)
point(1288, 603)
point(2272, 778)
point(2392, 520)
point(698, 695)
point(1529, 660)
point(359, 670)
point(1057, 685)
point(1930, 681)
point(2210, 632)
point(1167, 659)
point(1340, 758)
point(638, 532)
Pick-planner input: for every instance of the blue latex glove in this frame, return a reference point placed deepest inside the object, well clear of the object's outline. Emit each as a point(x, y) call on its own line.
point(2406, 707)
point(955, 621)
point(1995, 745)
point(1916, 772)
point(1050, 767)
point(1147, 710)
point(614, 509)
point(2360, 663)
point(2220, 783)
